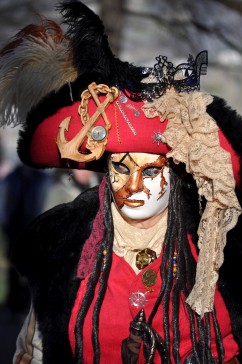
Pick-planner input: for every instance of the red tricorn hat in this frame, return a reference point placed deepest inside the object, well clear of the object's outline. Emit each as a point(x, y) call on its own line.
point(105, 120)
point(81, 133)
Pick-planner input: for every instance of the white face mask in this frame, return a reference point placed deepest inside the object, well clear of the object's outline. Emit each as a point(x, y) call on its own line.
point(140, 183)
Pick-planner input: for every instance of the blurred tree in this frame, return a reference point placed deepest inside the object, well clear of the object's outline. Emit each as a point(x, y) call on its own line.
point(138, 30)
point(232, 4)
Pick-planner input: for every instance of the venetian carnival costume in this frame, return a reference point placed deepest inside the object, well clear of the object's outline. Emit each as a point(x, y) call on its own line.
point(103, 291)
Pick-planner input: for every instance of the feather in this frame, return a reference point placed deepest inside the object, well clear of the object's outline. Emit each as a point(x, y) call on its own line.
point(89, 42)
point(41, 59)
point(92, 55)
point(37, 61)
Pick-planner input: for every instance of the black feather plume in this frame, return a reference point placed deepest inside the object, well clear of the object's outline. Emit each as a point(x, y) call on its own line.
point(92, 55)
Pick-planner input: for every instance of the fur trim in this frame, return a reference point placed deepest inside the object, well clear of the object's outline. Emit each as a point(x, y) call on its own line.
point(36, 62)
point(230, 122)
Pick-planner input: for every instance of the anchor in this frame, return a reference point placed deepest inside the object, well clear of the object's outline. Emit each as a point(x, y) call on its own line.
point(70, 149)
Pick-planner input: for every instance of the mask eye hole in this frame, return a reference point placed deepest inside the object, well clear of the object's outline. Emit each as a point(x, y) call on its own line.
point(151, 172)
point(120, 168)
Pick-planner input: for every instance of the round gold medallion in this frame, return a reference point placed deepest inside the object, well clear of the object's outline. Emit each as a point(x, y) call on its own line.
point(149, 277)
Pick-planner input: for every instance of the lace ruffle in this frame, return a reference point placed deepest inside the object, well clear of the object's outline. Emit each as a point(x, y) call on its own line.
point(192, 135)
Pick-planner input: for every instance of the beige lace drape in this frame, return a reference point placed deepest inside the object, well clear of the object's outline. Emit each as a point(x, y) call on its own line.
point(193, 137)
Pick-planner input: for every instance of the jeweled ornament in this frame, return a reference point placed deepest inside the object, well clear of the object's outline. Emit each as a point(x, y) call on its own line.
point(145, 257)
point(138, 299)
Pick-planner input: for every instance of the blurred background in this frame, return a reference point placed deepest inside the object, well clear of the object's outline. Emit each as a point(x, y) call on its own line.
point(138, 31)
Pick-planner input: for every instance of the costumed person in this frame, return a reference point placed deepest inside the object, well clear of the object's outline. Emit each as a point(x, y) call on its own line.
point(143, 268)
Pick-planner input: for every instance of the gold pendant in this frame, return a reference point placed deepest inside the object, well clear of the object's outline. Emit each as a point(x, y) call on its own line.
point(149, 277)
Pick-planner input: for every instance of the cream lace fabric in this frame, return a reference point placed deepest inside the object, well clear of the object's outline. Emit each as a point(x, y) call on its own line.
point(128, 240)
point(193, 137)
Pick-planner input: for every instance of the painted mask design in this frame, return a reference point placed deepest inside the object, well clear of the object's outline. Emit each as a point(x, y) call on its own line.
point(140, 183)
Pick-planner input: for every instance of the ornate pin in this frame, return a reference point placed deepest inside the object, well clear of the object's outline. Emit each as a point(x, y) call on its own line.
point(123, 98)
point(136, 111)
point(98, 133)
point(144, 258)
point(149, 277)
point(138, 299)
point(158, 137)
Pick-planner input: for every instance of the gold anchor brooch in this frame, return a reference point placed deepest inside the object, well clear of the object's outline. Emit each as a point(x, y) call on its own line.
point(96, 137)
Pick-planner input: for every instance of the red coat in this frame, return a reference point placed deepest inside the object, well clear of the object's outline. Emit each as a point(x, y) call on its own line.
point(117, 312)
